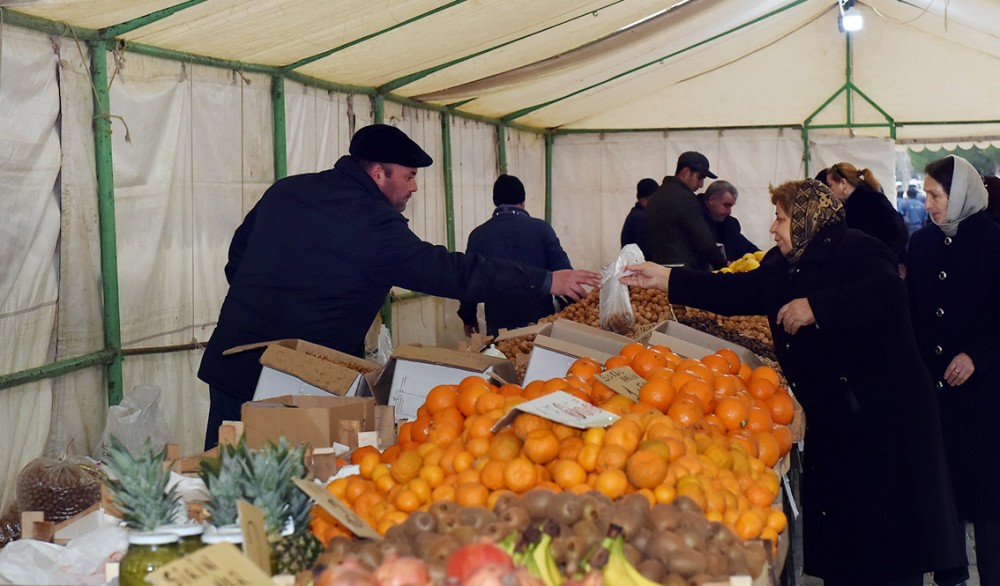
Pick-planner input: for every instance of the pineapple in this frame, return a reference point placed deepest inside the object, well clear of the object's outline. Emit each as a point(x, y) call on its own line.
point(140, 486)
point(264, 478)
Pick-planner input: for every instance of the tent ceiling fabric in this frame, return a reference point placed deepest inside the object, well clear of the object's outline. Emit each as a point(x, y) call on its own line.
point(580, 65)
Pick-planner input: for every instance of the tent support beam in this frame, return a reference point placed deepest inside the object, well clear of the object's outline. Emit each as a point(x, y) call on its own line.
point(58, 368)
point(449, 187)
point(502, 148)
point(278, 127)
point(549, 142)
point(111, 32)
point(106, 217)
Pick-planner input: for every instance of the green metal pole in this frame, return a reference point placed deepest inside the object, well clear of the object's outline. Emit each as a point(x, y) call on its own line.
point(502, 147)
point(849, 74)
point(278, 123)
point(58, 368)
point(805, 150)
point(549, 139)
point(449, 187)
point(379, 107)
point(106, 218)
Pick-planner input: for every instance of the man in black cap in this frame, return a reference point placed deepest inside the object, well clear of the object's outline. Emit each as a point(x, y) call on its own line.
point(317, 255)
point(675, 231)
point(513, 234)
point(634, 228)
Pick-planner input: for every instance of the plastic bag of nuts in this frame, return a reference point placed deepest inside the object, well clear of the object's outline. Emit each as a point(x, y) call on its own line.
point(60, 488)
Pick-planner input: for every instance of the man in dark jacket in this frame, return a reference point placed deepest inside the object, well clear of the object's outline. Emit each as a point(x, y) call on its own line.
point(717, 208)
point(675, 231)
point(634, 228)
point(513, 234)
point(317, 255)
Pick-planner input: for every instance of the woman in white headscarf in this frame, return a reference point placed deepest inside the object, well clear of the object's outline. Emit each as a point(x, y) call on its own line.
point(953, 278)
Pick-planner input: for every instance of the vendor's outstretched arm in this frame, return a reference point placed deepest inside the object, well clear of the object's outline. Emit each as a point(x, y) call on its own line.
point(647, 275)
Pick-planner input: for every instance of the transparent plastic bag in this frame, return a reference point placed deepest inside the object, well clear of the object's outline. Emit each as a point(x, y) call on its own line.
point(384, 345)
point(137, 418)
point(81, 561)
point(616, 307)
point(10, 525)
point(60, 488)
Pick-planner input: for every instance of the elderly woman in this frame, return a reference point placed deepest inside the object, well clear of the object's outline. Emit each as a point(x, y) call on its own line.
point(865, 206)
point(876, 497)
point(953, 276)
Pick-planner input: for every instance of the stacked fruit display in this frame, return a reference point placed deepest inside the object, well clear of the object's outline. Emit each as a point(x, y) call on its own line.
point(709, 430)
point(748, 262)
point(556, 537)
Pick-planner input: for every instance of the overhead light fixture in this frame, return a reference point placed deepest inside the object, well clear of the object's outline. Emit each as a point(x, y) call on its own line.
point(850, 18)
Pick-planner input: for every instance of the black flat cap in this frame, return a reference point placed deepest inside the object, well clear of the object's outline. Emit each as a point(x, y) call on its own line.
point(382, 143)
point(697, 162)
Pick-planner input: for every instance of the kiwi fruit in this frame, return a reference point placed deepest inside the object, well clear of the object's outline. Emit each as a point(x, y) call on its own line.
point(652, 569)
point(515, 516)
point(536, 502)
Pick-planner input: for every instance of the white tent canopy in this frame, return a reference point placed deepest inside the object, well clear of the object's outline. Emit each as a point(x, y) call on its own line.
point(573, 97)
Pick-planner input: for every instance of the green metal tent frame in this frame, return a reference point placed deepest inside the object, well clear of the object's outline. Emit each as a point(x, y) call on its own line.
point(105, 40)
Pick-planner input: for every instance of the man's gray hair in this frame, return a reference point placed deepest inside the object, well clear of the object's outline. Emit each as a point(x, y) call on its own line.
point(719, 188)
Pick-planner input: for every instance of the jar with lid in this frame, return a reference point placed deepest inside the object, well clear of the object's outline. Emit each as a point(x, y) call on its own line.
point(189, 535)
point(147, 551)
point(225, 534)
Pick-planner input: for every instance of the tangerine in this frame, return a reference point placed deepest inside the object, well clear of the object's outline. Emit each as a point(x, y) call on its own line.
point(441, 397)
point(541, 446)
point(766, 372)
point(584, 368)
point(525, 423)
point(505, 446)
point(759, 419)
point(611, 457)
point(406, 467)
point(718, 364)
point(646, 360)
point(471, 494)
point(469, 394)
point(611, 483)
point(646, 469)
point(784, 437)
point(658, 392)
point(629, 350)
point(686, 410)
point(761, 388)
point(732, 412)
point(702, 390)
point(520, 475)
point(768, 448)
point(568, 474)
point(782, 407)
point(732, 358)
point(359, 453)
point(488, 402)
point(617, 362)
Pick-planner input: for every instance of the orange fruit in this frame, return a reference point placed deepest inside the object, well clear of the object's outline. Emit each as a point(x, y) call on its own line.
point(718, 364)
point(761, 388)
point(784, 437)
point(625, 432)
point(619, 404)
point(759, 419)
point(658, 392)
point(406, 467)
point(646, 360)
point(600, 392)
point(525, 423)
point(520, 475)
point(587, 457)
point(686, 410)
point(617, 362)
point(612, 483)
point(504, 446)
point(768, 448)
point(746, 439)
point(407, 501)
point(631, 349)
point(569, 447)
point(468, 396)
point(568, 474)
point(732, 412)
point(697, 368)
point(359, 453)
point(471, 494)
point(441, 397)
point(745, 372)
point(356, 486)
point(732, 358)
point(533, 389)
point(368, 463)
point(611, 457)
point(759, 494)
point(703, 391)
point(768, 373)
point(646, 469)
point(488, 402)
point(492, 474)
point(403, 435)
point(421, 428)
point(510, 390)
point(749, 525)
point(541, 446)
point(782, 407)
point(390, 454)
point(584, 368)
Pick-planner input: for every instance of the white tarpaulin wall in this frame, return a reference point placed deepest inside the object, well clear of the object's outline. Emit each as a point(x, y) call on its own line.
point(199, 150)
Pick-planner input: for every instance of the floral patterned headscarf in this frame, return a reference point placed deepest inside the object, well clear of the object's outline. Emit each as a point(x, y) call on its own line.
point(813, 209)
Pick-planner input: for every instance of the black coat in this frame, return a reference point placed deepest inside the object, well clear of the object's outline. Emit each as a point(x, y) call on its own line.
point(729, 234)
point(315, 259)
point(870, 211)
point(634, 229)
point(675, 230)
point(514, 235)
point(876, 497)
point(961, 277)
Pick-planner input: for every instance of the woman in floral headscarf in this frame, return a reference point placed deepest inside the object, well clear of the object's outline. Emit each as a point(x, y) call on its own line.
point(953, 276)
point(876, 497)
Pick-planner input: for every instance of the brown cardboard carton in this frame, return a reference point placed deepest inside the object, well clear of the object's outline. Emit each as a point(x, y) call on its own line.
point(692, 343)
point(317, 421)
point(558, 344)
point(414, 370)
point(298, 367)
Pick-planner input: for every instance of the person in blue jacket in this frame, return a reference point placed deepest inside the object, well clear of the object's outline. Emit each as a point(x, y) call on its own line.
point(317, 255)
point(512, 234)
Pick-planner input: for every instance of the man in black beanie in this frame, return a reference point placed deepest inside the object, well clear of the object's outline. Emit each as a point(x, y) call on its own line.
point(512, 234)
point(634, 228)
point(317, 255)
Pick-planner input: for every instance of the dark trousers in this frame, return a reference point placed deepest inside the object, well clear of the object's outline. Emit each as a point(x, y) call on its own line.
point(987, 557)
point(222, 408)
point(915, 580)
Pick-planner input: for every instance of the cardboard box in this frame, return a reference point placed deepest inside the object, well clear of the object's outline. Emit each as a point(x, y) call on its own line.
point(317, 421)
point(297, 367)
point(412, 371)
point(692, 343)
point(558, 344)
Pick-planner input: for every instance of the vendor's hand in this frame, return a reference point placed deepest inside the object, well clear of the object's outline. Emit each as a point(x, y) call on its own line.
point(647, 275)
point(471, 329)
point(795, 314)
point(570, 282)
point(959, 370)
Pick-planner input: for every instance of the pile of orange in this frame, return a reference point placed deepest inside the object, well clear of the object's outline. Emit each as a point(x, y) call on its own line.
point(708, 429)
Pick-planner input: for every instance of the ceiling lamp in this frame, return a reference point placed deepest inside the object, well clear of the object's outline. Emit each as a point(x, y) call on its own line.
point(850, 19)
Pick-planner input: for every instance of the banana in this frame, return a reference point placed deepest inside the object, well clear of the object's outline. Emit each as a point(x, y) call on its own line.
point(546, 564)
point(620, 572)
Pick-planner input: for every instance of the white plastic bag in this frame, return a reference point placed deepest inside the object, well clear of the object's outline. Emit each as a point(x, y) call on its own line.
point(81, 561)
point(137, 418)
point(384, 345)
point(616, 307)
